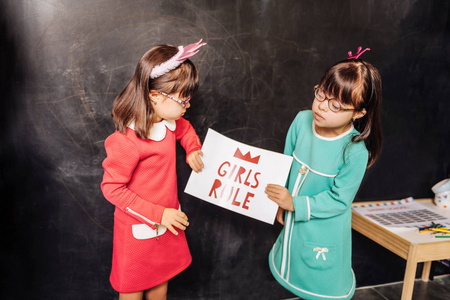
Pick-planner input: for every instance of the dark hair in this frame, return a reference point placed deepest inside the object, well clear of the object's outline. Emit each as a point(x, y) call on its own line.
point(358, 83)
point(133, 103)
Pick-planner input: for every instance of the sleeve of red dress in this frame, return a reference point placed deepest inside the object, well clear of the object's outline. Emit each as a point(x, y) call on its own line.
point(187, 136)
point(119, 165)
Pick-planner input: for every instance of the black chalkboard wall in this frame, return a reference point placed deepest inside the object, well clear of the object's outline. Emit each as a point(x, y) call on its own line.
point(63, 62)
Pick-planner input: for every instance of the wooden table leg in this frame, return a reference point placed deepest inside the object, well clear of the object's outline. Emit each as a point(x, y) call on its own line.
point(426, 270)
point(410, 273)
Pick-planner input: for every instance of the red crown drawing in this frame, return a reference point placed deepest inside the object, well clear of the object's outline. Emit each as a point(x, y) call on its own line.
point(246, 157)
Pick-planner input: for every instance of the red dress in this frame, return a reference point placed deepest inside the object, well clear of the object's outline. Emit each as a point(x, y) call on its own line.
point(140, 180)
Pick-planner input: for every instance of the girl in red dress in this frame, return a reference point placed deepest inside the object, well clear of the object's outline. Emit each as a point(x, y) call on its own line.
point(140, 176)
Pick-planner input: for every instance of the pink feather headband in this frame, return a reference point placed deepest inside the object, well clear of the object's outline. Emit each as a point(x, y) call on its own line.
point(183, 54)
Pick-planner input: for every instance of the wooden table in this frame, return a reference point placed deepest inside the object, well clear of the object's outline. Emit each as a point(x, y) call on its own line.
point(407, 243)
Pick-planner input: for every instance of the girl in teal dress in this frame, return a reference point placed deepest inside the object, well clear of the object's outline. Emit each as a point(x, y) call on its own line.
point(332, 145)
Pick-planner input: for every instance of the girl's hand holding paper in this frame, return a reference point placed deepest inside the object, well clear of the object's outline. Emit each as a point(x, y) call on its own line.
point(280, 195)
point(195, 161)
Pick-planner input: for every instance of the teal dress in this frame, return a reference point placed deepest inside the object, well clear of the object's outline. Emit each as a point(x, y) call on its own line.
point(312, 255)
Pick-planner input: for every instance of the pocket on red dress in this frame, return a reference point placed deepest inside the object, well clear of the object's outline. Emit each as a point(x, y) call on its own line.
point(144, 232)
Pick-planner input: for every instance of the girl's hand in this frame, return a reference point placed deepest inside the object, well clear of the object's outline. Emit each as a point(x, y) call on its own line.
point(195, 161)
point(280, 195)
point(174, 218)
point(280, 215)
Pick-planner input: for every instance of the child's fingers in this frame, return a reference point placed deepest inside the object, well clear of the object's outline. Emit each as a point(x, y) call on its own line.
point(174, 218)
point(280, 216)
point(183, 220)
point(280, 195)
point(272, 192)
point(277, 192)
point(199, 160)
point(193, 164)
point(182, 215)
point(271, 196)
point(196, 162)
point(280, 219)
point(274, 199)
point(274, 188)
point(171, 229)
point(196, 167)
point(180, 225)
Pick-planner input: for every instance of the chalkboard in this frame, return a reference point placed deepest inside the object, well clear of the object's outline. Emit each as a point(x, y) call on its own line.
point(64, 62)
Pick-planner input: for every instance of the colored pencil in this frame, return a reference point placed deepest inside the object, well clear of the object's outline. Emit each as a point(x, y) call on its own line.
point(440, 230)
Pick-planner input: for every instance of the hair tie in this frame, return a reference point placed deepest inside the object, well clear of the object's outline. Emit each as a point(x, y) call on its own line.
point(182, 54)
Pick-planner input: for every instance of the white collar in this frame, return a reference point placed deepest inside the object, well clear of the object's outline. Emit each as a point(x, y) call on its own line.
point(332, 138)
point(158, 130)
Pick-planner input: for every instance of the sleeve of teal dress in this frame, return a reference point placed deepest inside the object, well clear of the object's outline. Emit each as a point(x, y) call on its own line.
point(339, 198)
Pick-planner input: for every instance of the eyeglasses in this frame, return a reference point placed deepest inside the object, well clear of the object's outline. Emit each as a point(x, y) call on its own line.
point(333, 104)
point(182, 103)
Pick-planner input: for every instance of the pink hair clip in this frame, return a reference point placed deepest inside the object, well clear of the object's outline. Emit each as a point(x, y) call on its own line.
point(182, 54)
point(358, 54)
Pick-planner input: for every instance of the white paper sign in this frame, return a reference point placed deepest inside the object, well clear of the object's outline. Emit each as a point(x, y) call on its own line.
point(235, 176)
